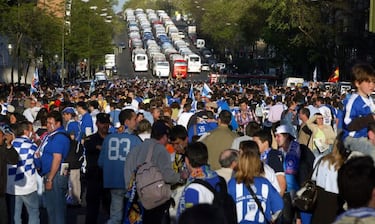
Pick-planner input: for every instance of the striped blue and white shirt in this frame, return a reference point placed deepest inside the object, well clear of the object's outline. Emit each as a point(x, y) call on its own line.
point(22, 176)
point(247, 208)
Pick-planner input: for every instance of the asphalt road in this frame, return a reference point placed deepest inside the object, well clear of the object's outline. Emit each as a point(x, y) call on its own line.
point(125, 67)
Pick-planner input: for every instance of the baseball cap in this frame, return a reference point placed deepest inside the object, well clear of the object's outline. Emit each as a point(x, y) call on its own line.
point(69, 110)
point(10, 108)
point(286, 129)
point(103, 118)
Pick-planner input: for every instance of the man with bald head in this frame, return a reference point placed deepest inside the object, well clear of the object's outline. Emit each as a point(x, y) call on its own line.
point(228, 161)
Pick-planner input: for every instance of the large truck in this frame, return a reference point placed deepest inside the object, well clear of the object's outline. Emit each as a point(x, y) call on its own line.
point(110, 61)
point(192, 33)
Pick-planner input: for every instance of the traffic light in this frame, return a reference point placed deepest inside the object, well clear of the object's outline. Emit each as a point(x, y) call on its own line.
point(372, 16)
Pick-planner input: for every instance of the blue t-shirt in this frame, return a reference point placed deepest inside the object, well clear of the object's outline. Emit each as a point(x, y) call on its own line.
point(56, 142)
point(357, 106)
point(195, 193)
point(247, 208)
point(201, 129)
point(73, 127)
point(115, 149)
point(86, 122)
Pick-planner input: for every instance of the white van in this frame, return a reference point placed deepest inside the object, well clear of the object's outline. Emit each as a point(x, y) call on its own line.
point(161, 69)
point(293, 82)
point(140, 62)
point(100, 76)
point(201, 43)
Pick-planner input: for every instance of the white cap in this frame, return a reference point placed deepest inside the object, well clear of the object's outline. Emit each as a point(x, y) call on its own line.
point(286, 129)
point(10, 108)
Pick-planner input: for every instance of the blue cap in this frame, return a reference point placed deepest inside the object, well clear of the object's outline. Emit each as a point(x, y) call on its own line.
point(69, 110)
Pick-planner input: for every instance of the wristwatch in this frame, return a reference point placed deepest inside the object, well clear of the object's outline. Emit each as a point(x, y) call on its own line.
point(48, 180)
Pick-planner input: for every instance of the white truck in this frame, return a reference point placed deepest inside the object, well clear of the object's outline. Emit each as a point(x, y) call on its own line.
point(110, 61)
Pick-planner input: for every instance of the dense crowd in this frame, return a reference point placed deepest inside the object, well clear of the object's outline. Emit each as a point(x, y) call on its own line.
point(258, 144)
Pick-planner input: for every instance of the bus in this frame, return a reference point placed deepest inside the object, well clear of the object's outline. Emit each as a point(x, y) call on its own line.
point(141, 62)
point(194, 63)
point(179, 68)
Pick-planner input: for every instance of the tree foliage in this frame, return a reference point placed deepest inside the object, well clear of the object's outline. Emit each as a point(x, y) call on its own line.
point(31, 31)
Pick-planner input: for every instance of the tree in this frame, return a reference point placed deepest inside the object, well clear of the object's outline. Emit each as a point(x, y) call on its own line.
point(90, 36)
point(32, 31)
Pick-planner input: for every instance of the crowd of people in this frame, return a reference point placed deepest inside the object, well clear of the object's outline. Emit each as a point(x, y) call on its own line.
point(262, 141)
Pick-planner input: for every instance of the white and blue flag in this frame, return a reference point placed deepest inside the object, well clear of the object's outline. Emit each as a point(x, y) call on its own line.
point(34, 82)
point(266, 91)
point(206, 90)
point(92, 87)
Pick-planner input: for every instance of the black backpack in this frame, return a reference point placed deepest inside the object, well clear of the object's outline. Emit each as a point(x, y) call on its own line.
point(306, 164)
point(75, 154)
point(222, 200)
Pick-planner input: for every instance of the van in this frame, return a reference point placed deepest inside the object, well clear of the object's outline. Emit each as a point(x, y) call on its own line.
point(293, 82)
point(100, 76)
point(200, 43)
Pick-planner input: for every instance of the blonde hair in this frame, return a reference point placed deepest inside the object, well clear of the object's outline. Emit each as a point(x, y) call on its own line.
point(336, 157)
point(249, 166)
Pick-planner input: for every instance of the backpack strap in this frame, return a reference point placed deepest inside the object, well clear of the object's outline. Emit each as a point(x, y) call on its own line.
point(205, 184)
point(150, 151)
point(256, 199)
point(210, 187)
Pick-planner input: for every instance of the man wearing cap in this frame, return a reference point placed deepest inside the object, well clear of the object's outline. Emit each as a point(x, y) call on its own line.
point(74, 156)
point(115, 148)
point(95, 192)
point(8, 155)
point(293, 154)
point(52, 153)
point(161, 159)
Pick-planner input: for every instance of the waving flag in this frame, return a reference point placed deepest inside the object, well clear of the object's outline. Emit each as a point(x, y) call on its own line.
point(335, 76)
point(223, 105)
point(315, 74)
point(191, 93)
point(206, 90)
point(35, 82)
point(191, 96)
point(92, 87)
point(266, 91)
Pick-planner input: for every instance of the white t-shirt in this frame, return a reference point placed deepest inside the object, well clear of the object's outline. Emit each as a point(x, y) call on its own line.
point(270, 175)
point(327, 176)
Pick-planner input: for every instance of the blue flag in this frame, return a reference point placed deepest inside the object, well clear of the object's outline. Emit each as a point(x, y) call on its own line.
point(35, 82)
point(92, 87)
point(191, 93)
point(223, 105)
point(206, 90)
point(266, 91)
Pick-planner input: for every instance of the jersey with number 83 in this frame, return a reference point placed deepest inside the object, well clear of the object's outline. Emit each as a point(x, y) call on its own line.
point(112, 158)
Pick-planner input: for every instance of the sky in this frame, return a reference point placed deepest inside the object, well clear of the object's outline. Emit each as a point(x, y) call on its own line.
point(118, 8)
